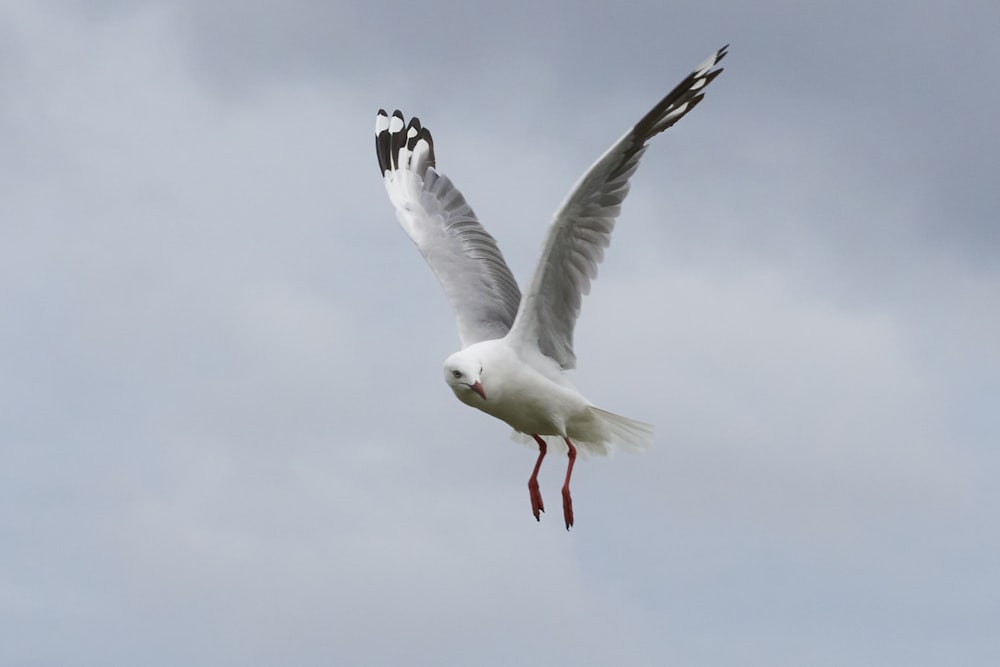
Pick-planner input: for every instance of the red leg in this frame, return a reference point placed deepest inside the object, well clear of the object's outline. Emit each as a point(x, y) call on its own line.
point(536, 495)
point(567, 499)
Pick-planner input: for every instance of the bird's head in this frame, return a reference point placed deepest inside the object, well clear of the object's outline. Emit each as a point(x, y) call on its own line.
point(464, 374)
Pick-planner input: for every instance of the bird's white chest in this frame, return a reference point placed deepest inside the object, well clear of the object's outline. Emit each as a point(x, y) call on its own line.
point(526, 400)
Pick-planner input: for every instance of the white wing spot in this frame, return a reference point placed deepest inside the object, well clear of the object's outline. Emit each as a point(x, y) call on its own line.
point(420, 151)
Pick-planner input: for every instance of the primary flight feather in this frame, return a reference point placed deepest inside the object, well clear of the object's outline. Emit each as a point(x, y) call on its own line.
point(515, 348)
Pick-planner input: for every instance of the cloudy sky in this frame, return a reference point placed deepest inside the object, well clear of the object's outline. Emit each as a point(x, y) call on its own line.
point(224, 438)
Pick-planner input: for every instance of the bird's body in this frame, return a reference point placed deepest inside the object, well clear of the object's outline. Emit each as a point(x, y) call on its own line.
point(525, 393)
point(515, 349)
point(529, 391)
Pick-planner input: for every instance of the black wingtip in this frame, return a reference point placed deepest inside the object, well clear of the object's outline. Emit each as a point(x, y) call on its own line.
point(684, 97)
point(391, 137)
point(382, 141)
point(397, 138)
point(720, 54)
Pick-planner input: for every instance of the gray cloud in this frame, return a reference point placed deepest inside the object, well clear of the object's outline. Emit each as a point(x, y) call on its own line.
point(225, 440)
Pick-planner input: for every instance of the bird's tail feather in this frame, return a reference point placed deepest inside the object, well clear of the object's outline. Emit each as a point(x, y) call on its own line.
point(629, 435)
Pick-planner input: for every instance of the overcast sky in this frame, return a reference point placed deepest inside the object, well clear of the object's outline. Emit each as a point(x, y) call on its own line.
point(224, 436)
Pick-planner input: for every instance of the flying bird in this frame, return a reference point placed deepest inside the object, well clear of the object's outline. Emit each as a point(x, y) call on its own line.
point(515, 348)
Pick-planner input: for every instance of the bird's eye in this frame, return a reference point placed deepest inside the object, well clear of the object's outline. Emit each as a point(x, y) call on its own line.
point(457, 374)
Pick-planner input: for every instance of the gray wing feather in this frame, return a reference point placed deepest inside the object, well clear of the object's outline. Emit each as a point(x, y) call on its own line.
point(582, 227)
point(464, 257)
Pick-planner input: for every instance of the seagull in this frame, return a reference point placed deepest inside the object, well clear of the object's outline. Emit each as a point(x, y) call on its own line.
point(516, 348)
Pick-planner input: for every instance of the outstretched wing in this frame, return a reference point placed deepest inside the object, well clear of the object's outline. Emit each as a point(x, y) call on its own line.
point(582, 227)
point(463, 255)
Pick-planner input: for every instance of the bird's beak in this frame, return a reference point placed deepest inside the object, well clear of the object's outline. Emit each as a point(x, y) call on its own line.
point(478, 388)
